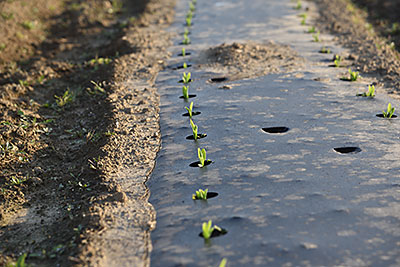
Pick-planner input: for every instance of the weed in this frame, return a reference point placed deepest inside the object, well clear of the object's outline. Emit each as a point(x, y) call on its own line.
point(389, 111)
point(354, 75)
point(195, 129)
point(97, 89)
point(190, 110)
point(183, 52)
point(20, 262)
point(201, 153)
point(223, 262)
point(17, 181)
point(298, 5)
point(316, 37)
point(325, 50)
point(370, 93)
point(63, 100)
point(208, 229)
point(200, 194)
point(186, 40)
point(185, 91)
point(28, 25)
point(186, 77)
point(337, 61)
point(312, 29)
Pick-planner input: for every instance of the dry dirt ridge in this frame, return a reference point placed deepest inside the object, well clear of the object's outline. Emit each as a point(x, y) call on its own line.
point(77, 107)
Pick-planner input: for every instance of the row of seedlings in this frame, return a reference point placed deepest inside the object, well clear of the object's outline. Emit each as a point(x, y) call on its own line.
point(208, 229)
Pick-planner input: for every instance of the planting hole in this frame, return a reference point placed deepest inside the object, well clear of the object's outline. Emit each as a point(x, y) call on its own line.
point(199, 136)
point(275, 130)
point(190, 96)
point(218, 79)
point(194, 113)
point(216, 233)
point(347, 150)
point(186, 54)
point(179, 66)
point(196, 164)
point(209, 195)
point(381, 116)
point(181, 81)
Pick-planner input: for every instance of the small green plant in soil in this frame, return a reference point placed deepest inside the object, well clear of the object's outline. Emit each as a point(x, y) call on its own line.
point(208, 229)
point(183, 52)
point(389, 111)
point(303, 18)
point(186, 32)
point(20, 262)
point(185, 65)
point(354, 75)
point(189, 14)
point(316, 37)
point(63, 100)
point(200, 195)
point(190, 110)
point(186, 40)
point(370, 93)
point(97, 89)
point(223, 262)
point(186, 77)
point(337, 61)
point(312, 29)
point(188, 22)
point(185, 91)
point(298, 5)
point(195, 129)
point(192, 7)
point(201, 153)
point(325, 50)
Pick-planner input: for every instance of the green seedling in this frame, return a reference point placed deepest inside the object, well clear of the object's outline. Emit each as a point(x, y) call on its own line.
point(189, 14)
point(189, 22)
point(312, 29)
point(97, 89)
point(223, 262)
point(185, 91)
point(186, 32)
point(200, 194)
point(337, 61)
point(201, 153)
point(186, 77)
point(185, 65)
point(20, 262)
point(183, 52)
point(354, 75)
point(298, 5)
point(195, 130)
point(389, 111)
point(186, 40)
point(63, 100)
point(208, 229)
point(370, 93)
point(190, 110)
point(192, 8)
point(325, 50)
point(316, 37)
point(303, 21)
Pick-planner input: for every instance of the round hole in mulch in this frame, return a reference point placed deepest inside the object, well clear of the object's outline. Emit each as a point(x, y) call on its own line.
point(190, 96)
point(186, 54)
point(199, 136)
point(347, 149)
point(194, 113)
point(209, 195)
point(275, 130)
point(181, 81)
point(179, 66)
point(196, 164)
point(216, 233)
point(218, 80)
point(381, 116)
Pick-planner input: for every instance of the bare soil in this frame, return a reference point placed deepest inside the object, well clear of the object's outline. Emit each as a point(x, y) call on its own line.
point(64, 112)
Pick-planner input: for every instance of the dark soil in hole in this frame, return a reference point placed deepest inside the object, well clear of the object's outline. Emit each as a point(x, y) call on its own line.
point(182, 43)
point(210, 195)
point(186, 54)
point(275, 130)
point(179, 66)
point(216, 233)
point(181, 81)
point(199, 136)
point(196, 163)
point(381, 116)
point(190, 96)
point(347, 150)
point(218, 80)
point(194, 113)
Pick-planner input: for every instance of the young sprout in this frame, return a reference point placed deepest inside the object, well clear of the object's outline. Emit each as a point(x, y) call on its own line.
point(353, 75)
point(185, 91)
point(195, 130)
point(316, 37)
point(304, 17)
point(186, 40)
point(223, 262)
point(325, 50)
point(186, 32)
point(200, 194)
point(183, 52)
point(188, 22)
point(337, 61)
point(389, 111)
point(298, 6)
point(190, 110)
point(370, 93)
point(312, 29)
point(185, 65)
point(192, 8)
point(201, 153)
point(208, 229)
point(189, 14)
point(186, 77)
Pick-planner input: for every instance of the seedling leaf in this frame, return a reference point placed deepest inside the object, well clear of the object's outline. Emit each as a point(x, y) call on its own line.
point(195, 129)
point(190, 110)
